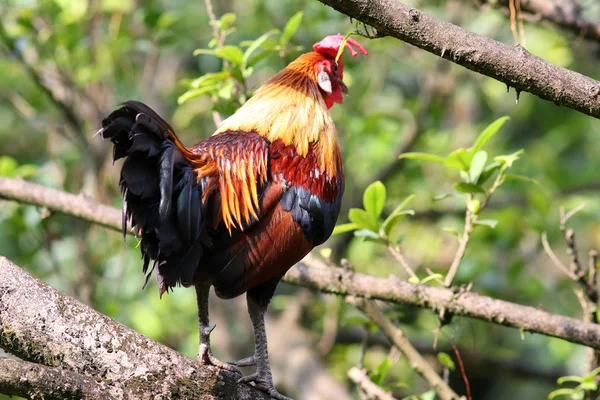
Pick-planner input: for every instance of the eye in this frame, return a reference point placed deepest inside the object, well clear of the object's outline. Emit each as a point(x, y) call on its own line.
point(335, 67)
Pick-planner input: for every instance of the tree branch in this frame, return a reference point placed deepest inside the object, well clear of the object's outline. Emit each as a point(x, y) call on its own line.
point(514, 66)
point(24, 378)
point(555, 13)
point(415, 359)
point(42, 325)
point(314, 274)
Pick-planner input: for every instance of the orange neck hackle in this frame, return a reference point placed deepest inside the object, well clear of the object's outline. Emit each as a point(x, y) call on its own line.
point(290, 107)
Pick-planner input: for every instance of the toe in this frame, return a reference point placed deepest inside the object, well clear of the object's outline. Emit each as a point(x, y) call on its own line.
point(244, 362)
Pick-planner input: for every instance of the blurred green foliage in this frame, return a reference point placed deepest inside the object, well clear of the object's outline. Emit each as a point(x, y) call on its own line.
point(65, 64)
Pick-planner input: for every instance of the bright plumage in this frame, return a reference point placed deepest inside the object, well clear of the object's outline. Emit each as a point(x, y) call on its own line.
point(237, 210)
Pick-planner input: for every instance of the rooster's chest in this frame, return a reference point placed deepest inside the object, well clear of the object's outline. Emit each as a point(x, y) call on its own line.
point(311, 195)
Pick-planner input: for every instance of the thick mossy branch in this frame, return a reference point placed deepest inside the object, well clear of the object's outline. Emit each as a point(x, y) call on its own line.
point(79, 346)
point(37, 381)
point(314, 274)
point(512, 65)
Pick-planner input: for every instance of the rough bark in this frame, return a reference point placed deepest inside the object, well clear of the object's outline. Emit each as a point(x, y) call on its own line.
point(40, 382)
point(314, 274)
point(514, 66)
point(83, 348)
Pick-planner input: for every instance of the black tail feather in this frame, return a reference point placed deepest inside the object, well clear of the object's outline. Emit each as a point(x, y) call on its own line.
point(161, 196)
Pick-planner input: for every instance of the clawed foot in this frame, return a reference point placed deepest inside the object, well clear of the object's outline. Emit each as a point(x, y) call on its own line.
point(264, 383)
point(206, 357)
point(244, 362)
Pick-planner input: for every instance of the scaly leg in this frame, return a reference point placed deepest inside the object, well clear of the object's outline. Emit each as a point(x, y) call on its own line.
point(205, 355)
point(262, 378)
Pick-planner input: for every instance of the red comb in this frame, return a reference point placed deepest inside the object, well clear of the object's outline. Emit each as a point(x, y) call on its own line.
point(331, 45)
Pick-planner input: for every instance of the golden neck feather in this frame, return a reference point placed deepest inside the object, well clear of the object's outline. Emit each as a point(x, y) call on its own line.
point(290, 107)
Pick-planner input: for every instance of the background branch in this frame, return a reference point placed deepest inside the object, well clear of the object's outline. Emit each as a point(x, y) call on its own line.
point(555, 13)
point(415, 359)
point(514, 66)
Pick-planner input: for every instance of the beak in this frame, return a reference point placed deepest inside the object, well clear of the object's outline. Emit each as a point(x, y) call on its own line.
point(343, 86)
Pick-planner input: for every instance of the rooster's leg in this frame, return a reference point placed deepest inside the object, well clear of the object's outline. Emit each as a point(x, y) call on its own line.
point(205, 355)
point(263, 379)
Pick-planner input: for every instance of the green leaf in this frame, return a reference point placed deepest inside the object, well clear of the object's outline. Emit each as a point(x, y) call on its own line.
point(465, 187)
point(487, 222)
point(326, 253)
point(488, 133)
point(561, 392)
point(414, 279)
point(588, 383)
point(428, 395)
point(226, 21)
point(477, 165)
point(381, 371)
point(459, 159)
point(488, 172)
point(256, 44)
point(290, 28)
point(442, 196)
point(397, 215)
point(508, 160)
point(452, 231)
point(422, 157)
point(446, 361)
point(210, 78)
point(343, 228)
point(401, 238)
point(363, 219)
point(393, 219)
point(569, 378)
point(366, 233)
point(230, 53)
point(8, 166)
point(193, 93)
point(432, 277)
point(259, 56)
point(512, 177)
point(374, 199)
point(404, 203)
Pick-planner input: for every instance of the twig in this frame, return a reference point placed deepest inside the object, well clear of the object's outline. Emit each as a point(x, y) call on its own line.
point(554, 258)
point(400, 258)
point(554, 13)
point(213, 23)
point(514, 66)
point(470, 220)
point(587, 293)
point(374, 392)
point(220, 38)
point(330, 326)
point(414, 358)
point(462, 371)
point(462, 247)
point(315, 274)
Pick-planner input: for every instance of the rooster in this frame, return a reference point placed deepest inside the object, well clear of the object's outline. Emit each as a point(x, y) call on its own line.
point(238, 209)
